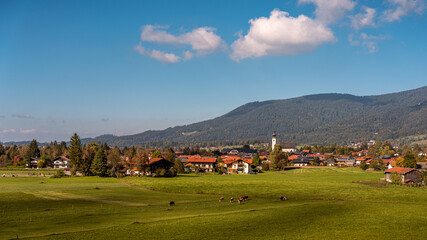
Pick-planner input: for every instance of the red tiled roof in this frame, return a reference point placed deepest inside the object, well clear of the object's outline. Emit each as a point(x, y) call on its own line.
point(228, 161)
point(400, 170)
point(197, 159)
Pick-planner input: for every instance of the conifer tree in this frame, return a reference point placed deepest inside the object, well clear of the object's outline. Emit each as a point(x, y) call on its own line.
point(99, 165)
point(75, 152)
point(179, 166)
point(32, 152)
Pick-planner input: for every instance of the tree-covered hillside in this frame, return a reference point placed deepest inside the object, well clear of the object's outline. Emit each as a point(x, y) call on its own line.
point(313, 119)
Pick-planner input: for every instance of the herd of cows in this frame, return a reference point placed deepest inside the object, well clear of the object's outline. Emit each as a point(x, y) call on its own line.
point(240, 200)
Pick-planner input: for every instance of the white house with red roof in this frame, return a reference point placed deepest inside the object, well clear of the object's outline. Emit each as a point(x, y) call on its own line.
point(61, 162)
point(208, 164)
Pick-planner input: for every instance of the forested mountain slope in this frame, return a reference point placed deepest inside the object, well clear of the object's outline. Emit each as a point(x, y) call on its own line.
point(312, 119)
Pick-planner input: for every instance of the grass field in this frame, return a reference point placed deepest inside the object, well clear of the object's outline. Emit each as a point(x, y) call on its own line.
point(323, 204)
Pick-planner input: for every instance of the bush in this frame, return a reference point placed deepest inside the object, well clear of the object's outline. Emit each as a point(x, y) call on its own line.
point(363, 165)
point(396, 178)
point(59, 174)
point(265, 167)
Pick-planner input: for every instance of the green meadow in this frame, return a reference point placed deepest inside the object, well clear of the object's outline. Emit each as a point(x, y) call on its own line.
point(324, 203)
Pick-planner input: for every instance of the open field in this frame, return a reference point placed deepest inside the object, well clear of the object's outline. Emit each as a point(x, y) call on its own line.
point(323, 203)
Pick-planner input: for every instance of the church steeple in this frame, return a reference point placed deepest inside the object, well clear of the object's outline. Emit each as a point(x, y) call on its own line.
point(273, 140)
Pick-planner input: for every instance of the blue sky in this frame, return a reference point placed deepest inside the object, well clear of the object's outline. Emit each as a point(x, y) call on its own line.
point(123, 67)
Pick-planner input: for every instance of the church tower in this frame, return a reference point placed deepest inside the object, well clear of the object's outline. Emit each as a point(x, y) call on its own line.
point(273, 140)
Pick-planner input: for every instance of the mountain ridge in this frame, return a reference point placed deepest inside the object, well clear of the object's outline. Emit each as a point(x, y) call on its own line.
point(312, 119)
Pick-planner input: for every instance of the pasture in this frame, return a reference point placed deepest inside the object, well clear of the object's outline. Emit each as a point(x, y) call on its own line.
point(324, 203)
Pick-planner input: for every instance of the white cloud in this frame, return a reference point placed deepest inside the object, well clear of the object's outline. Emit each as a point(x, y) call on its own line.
point(370, 42)
point(166, 58)
point(201, 40)
point(362, 20)
point(281, 34)
point(26, 131)
point(402, 8)
point(188, 55)
point(330, 11)
point(9, 130)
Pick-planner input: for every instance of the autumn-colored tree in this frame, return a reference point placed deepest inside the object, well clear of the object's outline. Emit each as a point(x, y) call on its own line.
point(18, 161)
point(399, 162)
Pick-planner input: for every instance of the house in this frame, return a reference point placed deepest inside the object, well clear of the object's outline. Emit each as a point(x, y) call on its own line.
point(301, 161)
point(62, 162)
point(34, 161)
point(406, 174)
point(207, 164)
point(241, 166)
point(391, 164)
point(159, 163)
point(346, 161)
point(359, 160)
point(422, 165)
point(330, 162)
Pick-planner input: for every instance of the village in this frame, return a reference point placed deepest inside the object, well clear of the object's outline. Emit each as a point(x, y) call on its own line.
point(399, 168)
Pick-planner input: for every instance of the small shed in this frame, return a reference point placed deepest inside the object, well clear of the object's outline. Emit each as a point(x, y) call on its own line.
point(407, 174)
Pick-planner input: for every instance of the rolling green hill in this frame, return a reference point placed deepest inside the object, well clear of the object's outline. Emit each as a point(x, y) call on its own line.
point(313, 119)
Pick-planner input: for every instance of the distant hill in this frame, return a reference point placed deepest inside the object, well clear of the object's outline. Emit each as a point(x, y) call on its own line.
point(313, 119)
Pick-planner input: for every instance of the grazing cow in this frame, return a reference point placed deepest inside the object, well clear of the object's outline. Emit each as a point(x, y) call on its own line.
point(283, 198)
point(231, 200)
point(246, 197)
point(221, 199)
point(171, 203)
point(4, 175)
point(240, 200)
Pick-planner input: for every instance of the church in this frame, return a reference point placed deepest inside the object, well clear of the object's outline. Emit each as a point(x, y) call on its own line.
point(288, 147)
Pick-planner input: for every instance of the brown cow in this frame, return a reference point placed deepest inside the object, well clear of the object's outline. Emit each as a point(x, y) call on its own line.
point(221, 199)
point(240, 200)
point(231, 200)
point(171, 203)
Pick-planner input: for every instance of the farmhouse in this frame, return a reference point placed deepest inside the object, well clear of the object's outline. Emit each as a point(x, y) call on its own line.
point(205, 163)
point(406, 174)
point(241, 166)
point(61, 162)
point(34, 161)
point(159, 163)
